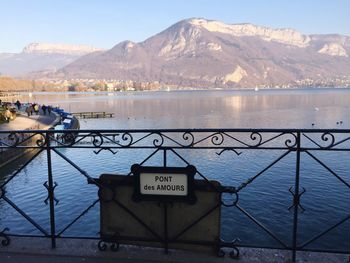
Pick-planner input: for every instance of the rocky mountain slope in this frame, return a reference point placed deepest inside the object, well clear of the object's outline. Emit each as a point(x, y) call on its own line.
point(41, 57)
point(199, 52)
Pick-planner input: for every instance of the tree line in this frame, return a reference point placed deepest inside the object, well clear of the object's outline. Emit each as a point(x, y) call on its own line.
point(8, 84)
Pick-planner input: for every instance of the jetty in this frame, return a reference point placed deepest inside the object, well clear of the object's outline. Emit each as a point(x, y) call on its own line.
point(92, 115)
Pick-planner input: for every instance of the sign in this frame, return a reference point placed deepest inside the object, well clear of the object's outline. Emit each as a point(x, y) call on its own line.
point(164, 183)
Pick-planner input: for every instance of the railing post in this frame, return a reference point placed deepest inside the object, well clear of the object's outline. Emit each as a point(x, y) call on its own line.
point(296, 198)
point(165, 211)
point(51, 192)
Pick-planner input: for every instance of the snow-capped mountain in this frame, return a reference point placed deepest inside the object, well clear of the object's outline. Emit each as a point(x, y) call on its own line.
point(205, 53)
point(199, 52)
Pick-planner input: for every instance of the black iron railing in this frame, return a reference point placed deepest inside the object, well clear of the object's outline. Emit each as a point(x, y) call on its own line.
point(309, 144)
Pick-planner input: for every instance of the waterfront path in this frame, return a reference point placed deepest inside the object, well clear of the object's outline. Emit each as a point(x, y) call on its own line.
point(23, 122)
point(38, 250)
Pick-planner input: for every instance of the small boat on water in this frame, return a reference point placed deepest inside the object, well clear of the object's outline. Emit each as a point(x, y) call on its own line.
point(68, 122)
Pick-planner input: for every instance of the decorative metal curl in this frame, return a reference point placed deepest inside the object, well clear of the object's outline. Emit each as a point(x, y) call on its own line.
point(40, 141)
point(296, 199)
point(68, 139)
point(328, 136)
point(188, 137)
point(6, 239)
point(97, 139)
point(255, 136)
point(291, 143)
point(127, 139)
point(115, 246)
point(217, 138)
point(158, 142)
point(102, 246)
point(234, 253)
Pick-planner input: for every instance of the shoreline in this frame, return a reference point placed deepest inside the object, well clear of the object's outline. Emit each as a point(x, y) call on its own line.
point(19, 93)
point(140, 92)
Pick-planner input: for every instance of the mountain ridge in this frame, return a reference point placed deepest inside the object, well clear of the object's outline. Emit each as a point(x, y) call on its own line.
point(198, 52)
point(41, 57)
point(51, 48)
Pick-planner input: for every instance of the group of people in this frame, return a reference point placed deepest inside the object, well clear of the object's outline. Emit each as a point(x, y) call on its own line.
point(35, 108)
point(6, 109)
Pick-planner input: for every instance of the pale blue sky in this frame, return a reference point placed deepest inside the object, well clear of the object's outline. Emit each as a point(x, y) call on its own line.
point(104, 23)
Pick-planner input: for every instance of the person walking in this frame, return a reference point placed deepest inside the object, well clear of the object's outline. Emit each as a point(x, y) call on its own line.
point(44, 109)
point(28, 110)
point(49, 109)
point(18, 104)
point(31, 109)
point(36, 108)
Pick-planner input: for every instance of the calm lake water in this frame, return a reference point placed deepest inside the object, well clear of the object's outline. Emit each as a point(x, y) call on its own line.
point(326, 199)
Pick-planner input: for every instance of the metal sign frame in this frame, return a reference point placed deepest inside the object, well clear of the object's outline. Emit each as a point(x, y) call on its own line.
point(189, 171)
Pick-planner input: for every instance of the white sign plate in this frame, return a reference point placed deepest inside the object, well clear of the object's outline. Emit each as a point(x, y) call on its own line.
point(163, 184)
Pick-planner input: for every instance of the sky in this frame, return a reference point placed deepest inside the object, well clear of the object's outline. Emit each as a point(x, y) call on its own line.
point(104, 23)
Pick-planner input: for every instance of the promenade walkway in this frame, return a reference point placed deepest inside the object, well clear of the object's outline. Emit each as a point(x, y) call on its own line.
point(23, 122)
point(38, 250)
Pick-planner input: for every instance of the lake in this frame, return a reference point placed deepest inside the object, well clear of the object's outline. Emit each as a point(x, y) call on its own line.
point(326, 200)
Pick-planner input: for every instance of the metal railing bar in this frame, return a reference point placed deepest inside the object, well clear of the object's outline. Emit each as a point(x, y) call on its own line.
point(84, 173)
point(206, 130)
point(191, 147)
point(261, 225)
point(78, 217)
point(250, 180)
point(328, 169)
point(22, 167)
point(324, 232)
point(275, 137)
point(296, 198)
point(257, 145)
point(28, 218)
point(341, 141)
point(179, 144)
point(198, 172)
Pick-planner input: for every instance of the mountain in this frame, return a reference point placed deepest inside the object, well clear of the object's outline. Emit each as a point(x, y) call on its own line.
point(41, 57)
point(204, 53)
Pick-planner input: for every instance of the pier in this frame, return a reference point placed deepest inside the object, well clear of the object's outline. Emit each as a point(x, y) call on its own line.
point(93, 115)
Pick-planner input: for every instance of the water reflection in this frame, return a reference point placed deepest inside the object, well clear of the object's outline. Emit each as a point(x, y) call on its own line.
point(209, 109)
